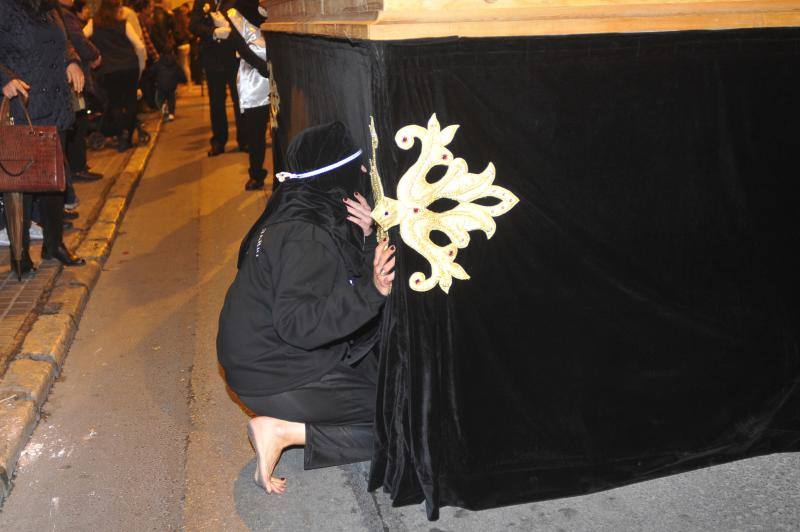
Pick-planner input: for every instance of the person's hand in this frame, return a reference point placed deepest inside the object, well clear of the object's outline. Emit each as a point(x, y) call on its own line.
point(16, 87)
point(218, 19)
point(360, 213)
point(222, 33)
point(75, 77)
point(383, 267)
point(97, 62)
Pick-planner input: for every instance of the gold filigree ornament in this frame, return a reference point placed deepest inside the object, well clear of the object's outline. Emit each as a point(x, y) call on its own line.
point(274, 99)
point(415, 194)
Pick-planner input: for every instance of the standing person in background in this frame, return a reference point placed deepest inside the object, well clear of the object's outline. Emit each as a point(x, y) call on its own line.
point(252, 82)
point(38, 63)
point(90, 59)
point(183, 38)
point(162, 29)
point(220, 64)
point(144, 10)
point(167, 72)
point(124, 58)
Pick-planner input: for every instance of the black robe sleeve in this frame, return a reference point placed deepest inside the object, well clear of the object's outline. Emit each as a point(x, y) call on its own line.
point(312, 309)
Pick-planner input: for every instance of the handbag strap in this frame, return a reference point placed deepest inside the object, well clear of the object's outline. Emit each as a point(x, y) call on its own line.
point(4, 111)
point(28, 164)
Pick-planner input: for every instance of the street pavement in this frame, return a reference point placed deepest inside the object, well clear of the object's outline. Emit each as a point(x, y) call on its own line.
point(18, 300)
point(140, 432)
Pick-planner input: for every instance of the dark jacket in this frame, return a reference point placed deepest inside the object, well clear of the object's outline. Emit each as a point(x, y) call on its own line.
point(34, 48)
point(118, 52)
point(87, 51)
point(168, 74)
point(294, 311)
point(303, 299)
point(162, 31)
point(214, 55)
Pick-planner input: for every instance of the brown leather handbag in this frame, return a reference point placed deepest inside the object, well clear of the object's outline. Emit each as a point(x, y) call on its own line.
point(31, 158)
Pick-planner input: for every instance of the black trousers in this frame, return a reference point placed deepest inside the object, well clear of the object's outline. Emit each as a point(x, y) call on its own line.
point(254, 133)
point(338, 410)
point(120, 88)
point(76, 142)
point(218, 81)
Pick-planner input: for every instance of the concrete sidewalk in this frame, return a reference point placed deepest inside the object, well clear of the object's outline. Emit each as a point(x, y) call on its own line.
point(40, 314)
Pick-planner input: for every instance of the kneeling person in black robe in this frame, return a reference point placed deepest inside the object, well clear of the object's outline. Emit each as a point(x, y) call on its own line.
point(299, 325)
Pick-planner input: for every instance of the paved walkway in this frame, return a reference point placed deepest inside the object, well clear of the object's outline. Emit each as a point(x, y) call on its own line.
point(19, 300)
point(141, 433)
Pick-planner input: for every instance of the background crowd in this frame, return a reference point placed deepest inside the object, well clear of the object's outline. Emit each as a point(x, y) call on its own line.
point(90, 69)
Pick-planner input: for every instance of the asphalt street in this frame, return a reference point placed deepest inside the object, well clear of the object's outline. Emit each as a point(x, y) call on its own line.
point(140, 432)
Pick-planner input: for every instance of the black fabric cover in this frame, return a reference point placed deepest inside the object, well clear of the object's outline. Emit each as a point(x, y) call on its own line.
point(636, 314)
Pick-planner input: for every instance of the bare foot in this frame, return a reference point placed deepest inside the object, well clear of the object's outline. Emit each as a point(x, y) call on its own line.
point(269, 437)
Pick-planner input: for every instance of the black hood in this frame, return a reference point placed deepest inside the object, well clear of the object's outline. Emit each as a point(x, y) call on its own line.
point(318, 200)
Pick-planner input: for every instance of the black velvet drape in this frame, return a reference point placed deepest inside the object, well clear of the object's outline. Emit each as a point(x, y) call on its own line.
point(636, 314)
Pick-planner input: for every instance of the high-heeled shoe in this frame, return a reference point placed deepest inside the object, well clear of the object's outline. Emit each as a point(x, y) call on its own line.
point(63, 255)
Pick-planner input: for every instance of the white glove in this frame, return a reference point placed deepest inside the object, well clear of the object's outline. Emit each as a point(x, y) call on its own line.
point(220, 34)
point(218, 18)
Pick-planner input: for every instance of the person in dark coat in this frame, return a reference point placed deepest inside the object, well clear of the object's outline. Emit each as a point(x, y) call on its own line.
point(39, 64)
point(220, 64)
point(90, 59)
point(299, 326)
point(124, 58)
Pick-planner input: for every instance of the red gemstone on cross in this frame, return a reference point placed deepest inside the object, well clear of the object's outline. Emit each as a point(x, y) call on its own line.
point(416, 209)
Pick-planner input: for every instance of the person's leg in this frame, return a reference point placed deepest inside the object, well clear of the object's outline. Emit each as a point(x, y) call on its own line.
point(70, 196)
point(217, 82)
point(336, 414)
point(269, 437)
point(183, 61)
point(51, 206)
point(171, 102)
point(112, 119)
point(257, 144)
point(231, 81)
point(130, 104)
point(76, 143)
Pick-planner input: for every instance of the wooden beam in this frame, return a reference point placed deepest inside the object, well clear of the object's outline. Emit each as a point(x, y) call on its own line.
point(409, 19)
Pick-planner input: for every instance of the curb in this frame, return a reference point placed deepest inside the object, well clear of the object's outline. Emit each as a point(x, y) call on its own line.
point(27, 381)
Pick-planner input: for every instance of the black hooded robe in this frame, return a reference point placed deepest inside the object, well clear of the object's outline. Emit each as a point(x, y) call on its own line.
point(299, 323)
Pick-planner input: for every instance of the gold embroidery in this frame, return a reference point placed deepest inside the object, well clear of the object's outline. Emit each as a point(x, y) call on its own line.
point(415, 194)
point(375, 178)
point(274, 99)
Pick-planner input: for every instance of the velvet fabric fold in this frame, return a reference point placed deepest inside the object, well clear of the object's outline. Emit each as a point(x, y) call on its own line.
point(638, 313)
